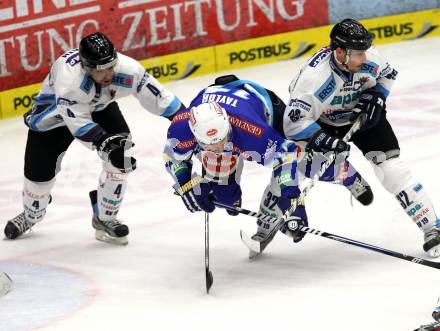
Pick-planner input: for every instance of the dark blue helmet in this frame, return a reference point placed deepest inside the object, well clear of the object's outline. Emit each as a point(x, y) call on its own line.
point(350, 34)
point(97, 51)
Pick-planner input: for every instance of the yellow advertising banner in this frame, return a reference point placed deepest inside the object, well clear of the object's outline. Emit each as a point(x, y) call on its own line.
point(271, 48)
point(181, 65)
point(17, 101)
point(404, 27)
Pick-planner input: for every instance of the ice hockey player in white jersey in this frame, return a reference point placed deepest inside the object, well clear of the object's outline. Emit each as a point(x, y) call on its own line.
point(337, 84)
point(77, 101)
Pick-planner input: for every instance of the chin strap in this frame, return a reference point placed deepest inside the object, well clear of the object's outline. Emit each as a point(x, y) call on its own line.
point(347, 58)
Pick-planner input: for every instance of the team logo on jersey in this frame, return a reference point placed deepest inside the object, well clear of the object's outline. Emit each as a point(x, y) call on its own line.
point(122, 80)
point(112, 94)
point(370, 68)
point(326, 89)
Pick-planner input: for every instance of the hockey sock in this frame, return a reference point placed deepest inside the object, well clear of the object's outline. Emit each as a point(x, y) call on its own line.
point(418, 206)
point(398, 180)
point(36, 197)
point(111, 191)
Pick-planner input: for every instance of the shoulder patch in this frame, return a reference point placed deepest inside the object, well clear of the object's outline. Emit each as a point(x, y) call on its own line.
point(142, 81)
point(326, 89)
point(66, 102)
point(319, 56)
point(123, 80)
point(87, 84)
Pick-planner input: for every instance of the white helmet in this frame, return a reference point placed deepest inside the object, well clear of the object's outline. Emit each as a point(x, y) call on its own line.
point(209, 123)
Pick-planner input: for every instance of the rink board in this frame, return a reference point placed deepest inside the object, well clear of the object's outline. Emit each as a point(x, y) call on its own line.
point(250, 52)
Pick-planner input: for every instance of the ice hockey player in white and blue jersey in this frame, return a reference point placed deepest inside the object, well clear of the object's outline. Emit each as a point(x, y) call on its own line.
point(337, 84)
point(78, 101)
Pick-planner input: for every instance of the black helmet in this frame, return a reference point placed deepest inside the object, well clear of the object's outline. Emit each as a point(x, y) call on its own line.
point(350, 34)
point(97, 51)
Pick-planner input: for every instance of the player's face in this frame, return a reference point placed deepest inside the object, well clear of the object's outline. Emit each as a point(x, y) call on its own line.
point(217, 147)
point(102, 77)
point(356, 60)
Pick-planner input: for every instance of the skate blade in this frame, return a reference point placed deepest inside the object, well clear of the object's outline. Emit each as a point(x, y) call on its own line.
point(253, 255)
point(24, 235)
point(105, 237)
point(5, 283)
point(252, 245)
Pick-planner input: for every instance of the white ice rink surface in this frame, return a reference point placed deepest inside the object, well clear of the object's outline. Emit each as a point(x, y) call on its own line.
point(65, 280)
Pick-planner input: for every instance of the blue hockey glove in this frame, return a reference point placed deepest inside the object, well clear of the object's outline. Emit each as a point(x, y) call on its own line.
point(372, 103)
point(299, 217)
point(199, 198)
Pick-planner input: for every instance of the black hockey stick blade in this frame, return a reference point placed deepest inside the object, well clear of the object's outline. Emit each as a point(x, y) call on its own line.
point(208, 274)
point(209, 279)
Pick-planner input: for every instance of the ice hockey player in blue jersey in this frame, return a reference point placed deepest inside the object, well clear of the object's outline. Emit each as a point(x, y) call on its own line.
point(337, 84)
point(78, 101)
point(228, 122)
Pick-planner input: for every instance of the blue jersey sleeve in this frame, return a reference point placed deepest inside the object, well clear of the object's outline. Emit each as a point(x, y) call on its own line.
point(179, 148)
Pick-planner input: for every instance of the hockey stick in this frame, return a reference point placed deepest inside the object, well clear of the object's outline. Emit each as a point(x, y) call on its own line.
point(331, 236)
point(180, 191)
point(257, 247)
point(208, 273)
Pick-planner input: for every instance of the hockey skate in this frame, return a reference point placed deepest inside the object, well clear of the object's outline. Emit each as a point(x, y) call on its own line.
point(17, 226)
point(432, 242)
point(263, 237)
point(361, 191)
point(113, 231)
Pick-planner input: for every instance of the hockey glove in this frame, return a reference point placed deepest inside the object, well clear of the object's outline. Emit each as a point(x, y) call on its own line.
point(371, 103)
point(323, 142)
point(234, 212)
point(199, 198)
point(112, 148)
point(299, 218)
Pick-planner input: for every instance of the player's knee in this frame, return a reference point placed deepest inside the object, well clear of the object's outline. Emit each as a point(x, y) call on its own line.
point(111, 171)
point(38, 188)
point(394, 175)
